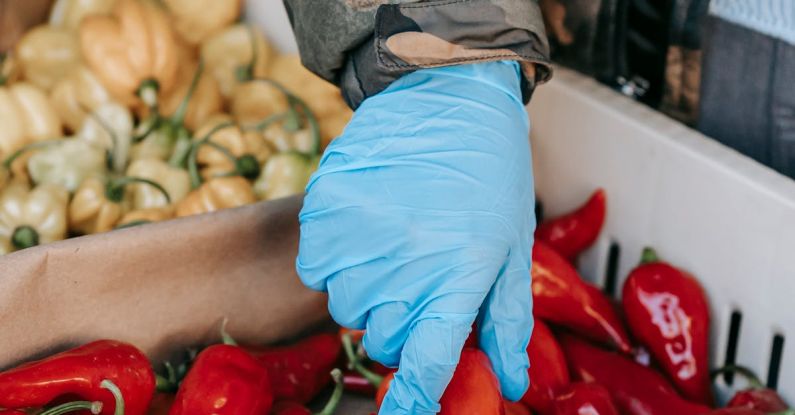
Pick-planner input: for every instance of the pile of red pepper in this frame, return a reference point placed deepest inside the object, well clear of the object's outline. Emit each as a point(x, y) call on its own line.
point(584, 353)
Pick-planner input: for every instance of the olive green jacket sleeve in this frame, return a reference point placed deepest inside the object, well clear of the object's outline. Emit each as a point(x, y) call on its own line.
point(364, 45)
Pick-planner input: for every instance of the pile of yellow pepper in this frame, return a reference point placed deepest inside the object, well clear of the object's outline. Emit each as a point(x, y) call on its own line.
point(122, 112)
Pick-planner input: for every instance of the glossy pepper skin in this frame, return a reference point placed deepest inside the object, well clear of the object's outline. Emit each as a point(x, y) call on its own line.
point(474, 388)
point(756, 396)
point(29, 217)
point(79, 373)
point(131, 48)
point(300, 371)
point(562, 297)
point(635, 389)
point(574, 232)
point(667, 311)
point(584, 399)
point(26, 116)
point(548, 370)
point(224, 380)
point(515, 408)
point(216, 194)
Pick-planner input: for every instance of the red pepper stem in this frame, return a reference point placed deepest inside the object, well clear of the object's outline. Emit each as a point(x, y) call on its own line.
point(336, 396)
point(749, 375)
point(649, 256)
point(117, 396)
point(193, 167)
point(372, 377)
point(93, 407)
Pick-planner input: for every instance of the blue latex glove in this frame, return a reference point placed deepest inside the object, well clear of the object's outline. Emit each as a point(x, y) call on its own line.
point(420, 220)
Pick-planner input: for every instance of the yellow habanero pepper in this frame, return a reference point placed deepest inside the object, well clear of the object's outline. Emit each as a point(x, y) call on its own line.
point(196, 20)
point(98, 206)
point(149, 215)
point(231, 144)
point(322, 97)
point(47, 54)
point(132, 52)
point(218, 193)
point(68, 14)
point(77, 93)
point(332, 125)
point(174, 180)
point(31, 217)
point(9, 68)
point(285, 174)
point(110, 126)
point(26, 115)
point(231, 58)
point(67, 163)
point(203, 101)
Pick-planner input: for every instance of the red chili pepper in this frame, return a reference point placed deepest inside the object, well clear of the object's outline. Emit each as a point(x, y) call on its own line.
point(756, 396)
point(560, 296)
point(636, 389)
point(548, 370)
point(584, 399)
point(299, 372)
point(667, 311)
point(356, 383)
point(474, 388)
point(224, 380)
point(574, 232)
point(515, 408)
point(104, 371)
point(295, 408)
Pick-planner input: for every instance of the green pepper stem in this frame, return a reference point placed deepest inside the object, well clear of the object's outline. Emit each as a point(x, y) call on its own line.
point(372, 377)
point(114, 190)
point(24, 236)
point(3, 78)
point(145, 128)
point(245, 73)
point(163, 385)
point(336, 396)
point(181, 147)
point(117, 159)
point(117, 396)
point(225, 336)
point(265, 122)
point(32, 146)
point(294, 101)
point(147, 91)
point(179, 115)
point(787, 412)
point(93, 407)
point(753, 380)
point(193, 167)
point(648, 256)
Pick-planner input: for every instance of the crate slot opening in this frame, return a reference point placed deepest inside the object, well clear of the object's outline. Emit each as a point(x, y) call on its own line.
point(774, 368)
point(731, 345)
point(611, 269)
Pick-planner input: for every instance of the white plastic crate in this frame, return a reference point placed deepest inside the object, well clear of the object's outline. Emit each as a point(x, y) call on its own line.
point(723, 217)
point(719, 215)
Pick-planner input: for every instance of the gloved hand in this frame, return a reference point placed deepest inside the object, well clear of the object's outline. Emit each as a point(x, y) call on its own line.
point(420, 220)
